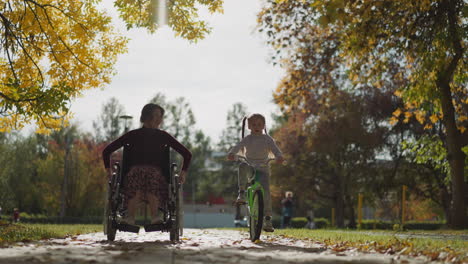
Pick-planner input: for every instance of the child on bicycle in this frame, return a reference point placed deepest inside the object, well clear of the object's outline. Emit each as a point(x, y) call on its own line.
point(257, 148)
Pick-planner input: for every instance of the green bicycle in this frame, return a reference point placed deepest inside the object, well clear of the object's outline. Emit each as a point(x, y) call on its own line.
point(255, 206)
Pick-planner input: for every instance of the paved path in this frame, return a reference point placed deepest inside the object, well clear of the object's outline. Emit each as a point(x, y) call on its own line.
point(198, 246)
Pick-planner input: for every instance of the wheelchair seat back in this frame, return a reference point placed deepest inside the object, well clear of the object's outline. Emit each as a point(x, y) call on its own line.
point(125, 166)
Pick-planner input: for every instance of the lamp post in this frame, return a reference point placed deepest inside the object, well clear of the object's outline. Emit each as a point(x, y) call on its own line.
point(127, 119)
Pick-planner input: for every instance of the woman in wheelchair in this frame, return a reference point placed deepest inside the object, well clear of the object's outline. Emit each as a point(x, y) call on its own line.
point(145, 159)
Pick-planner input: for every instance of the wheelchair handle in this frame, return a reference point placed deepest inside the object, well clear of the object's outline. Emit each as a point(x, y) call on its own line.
point(173, 167)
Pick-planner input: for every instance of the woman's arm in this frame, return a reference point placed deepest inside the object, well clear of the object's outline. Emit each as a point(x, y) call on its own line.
point(181, 149)
point(113, 146)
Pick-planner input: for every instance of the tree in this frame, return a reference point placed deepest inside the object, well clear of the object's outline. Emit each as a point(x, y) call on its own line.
point(424, 38)
point(179, 121)
point(332, 149)
point(6, 159)
point(178, 118)
point(223, 181)
point(19, 172)
point(109, 126)
point(71, 176)
point(232, 132)
point(51, 52)
point(182, 15)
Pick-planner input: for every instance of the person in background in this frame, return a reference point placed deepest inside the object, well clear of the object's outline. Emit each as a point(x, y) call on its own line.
point(310, 223)
point(16, 216)
point(287, 206)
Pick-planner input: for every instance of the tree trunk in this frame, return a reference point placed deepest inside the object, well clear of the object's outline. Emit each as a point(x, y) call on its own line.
point(456, 156)
point(454, 142)
point(63, 197)
point(339, 202)
point(352, 214)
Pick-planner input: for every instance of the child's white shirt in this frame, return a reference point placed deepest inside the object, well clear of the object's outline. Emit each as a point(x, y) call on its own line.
point(257, 149)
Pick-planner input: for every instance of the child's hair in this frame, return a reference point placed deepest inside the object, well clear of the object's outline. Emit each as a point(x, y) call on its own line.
point(251, 117)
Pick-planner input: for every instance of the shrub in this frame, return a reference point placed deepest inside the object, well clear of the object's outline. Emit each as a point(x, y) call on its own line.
point(300, 222)
point(410, 225)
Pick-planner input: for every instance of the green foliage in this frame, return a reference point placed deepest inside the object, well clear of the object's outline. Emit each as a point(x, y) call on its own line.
point(178, 117)
point(179, 121)
point(231, 134)
point(224, 181)
point(410, 225)
point(300, 222)
point(34, 174)
point(429, 150)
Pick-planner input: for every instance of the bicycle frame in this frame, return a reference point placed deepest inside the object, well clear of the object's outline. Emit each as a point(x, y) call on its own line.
point(255, 196)
point(254, 185)
point(254, 181)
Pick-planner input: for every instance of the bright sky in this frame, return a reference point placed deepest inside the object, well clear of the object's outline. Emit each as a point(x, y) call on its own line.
point(231, 65)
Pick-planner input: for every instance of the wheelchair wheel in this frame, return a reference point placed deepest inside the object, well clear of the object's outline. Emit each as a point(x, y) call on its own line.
point(180, 212)
point(256, 216)
point(111, 230)
point(175, 228)
point(109, 226)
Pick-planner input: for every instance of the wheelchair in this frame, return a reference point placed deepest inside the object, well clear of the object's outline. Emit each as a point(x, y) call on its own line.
point(115, 209)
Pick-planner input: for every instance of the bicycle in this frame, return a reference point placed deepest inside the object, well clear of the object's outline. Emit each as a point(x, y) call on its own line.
point(254, 195)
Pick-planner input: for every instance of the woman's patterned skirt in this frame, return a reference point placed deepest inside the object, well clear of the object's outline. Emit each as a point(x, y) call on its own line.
point(148, 180)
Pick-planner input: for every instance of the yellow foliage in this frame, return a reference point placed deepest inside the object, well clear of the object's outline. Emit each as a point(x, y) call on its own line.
point(434, 118)
point(397, 112)
point(420, 116)
point(393, 120)
point(57, 49)
point(428, 126)
point(182, 15)
point(407, 117)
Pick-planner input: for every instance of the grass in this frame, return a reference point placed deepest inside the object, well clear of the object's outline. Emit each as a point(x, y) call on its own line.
point(454, 250)
point(11, 233)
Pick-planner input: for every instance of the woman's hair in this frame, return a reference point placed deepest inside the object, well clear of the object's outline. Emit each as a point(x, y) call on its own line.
point(252, 117)
point(148, 110)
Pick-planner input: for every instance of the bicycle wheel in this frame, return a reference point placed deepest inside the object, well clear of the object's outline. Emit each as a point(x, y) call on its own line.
point(256, 216)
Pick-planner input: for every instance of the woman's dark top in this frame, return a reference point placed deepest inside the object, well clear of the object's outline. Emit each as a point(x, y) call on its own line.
point(146, 147)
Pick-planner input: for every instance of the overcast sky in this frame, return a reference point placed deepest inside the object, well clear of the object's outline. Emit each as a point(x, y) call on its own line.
point(231, 65)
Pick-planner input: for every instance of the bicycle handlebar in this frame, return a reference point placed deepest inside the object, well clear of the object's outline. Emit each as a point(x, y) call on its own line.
point(239, 157)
